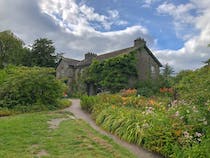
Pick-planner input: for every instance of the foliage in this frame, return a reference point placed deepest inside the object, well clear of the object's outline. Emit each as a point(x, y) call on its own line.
point(166, 76)
point(26, 89)
point(43, 53)
point(113, 74)
point(128, 92)
point(26, 135)
point(64, 103)
point(173, 131)
point(194, 86)
point(5, 112)
point(152, 87)
point(12, 50)
point(148, 88)
point(87, 102)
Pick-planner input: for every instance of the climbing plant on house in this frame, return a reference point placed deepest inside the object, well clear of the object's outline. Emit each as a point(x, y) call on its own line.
point(113, 74)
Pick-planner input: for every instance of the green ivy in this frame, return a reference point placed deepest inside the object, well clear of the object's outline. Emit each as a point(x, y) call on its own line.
point(113, 74)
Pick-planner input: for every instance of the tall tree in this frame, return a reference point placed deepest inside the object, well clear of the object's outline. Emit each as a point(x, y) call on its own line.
point(43, 53)
point(11, 49)
point(166, 76)
point(167, 71)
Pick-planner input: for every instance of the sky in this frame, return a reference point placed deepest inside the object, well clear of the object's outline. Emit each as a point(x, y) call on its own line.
point(176, 31)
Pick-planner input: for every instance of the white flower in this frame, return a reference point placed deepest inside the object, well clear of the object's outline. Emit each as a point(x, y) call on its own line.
point(198, 134)
point(205, 122)
point(186, 134)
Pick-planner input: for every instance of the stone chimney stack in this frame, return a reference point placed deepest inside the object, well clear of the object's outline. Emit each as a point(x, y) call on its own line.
point(90, 56)
point(139, 42)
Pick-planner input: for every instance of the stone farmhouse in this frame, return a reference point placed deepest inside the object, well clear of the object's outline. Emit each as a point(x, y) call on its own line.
point(147, 64)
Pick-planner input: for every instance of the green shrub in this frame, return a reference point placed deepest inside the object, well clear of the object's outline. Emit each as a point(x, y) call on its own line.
point(64, 103)
point(5, 112)
point(87, 103)
point(194, 86)
point(27, 89)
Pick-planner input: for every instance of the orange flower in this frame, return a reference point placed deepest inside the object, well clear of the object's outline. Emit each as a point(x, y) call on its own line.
point(151, 102)
point(178, 133)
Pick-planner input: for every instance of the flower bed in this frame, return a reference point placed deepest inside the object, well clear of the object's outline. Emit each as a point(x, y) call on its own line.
point(176, 130)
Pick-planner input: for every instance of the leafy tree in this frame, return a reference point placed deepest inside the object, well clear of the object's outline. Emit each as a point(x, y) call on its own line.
point(11, 50)
point(167, 71)
point(166, 76)
point(43, 53)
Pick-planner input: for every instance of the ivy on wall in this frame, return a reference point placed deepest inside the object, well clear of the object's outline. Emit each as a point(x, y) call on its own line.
point(113, 74)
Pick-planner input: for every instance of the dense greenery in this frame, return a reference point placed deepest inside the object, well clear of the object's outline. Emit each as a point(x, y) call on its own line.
point(113, 74)
point(179, 129)
point(12, 50)
point(29, 89)
point(152, 87)
point(194, 86)
point(27, 135)
point(43, 53)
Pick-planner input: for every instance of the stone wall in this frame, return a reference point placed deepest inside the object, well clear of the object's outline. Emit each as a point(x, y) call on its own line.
point(146, 66)
point(64, 70)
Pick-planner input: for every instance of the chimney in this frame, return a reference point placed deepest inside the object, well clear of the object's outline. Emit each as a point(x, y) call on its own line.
point(90, 56)
point(139, 42)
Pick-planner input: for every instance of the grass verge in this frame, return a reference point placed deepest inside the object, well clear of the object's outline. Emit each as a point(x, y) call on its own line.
point(29, 135)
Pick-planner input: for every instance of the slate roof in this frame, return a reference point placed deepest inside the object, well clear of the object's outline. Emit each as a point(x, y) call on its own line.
point(152, 55)
point(85, 62)
point(106, 56)
point(71, 62)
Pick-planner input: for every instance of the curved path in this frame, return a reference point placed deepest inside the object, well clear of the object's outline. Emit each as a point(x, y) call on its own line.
point(80, 114)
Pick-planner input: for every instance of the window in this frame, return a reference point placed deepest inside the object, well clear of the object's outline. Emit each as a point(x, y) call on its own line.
point(152, 70)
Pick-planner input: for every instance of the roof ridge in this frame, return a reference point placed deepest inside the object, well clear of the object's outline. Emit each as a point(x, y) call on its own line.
point(70, 59)
point(116, 51)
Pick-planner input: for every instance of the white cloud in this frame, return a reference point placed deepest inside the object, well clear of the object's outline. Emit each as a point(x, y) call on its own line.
point(195, 49)
point(75, 28)
point(182, 17)
point(69, 24)
point(78, 18)
point(148, 3)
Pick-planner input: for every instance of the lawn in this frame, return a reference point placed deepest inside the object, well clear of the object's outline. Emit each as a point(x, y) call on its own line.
point(30, 135)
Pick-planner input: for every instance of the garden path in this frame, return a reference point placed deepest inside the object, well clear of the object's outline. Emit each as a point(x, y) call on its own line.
point(80, 114)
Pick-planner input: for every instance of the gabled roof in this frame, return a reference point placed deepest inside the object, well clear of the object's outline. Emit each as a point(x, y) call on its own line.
point(115, 53)
point(152, 55)
point(85, 62)
point(106, 56)
point(71, 62)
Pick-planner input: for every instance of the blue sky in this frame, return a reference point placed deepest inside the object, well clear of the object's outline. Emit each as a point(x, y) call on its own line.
point(177, 31)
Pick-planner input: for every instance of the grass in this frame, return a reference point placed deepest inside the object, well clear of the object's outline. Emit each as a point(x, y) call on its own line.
point(29, 135)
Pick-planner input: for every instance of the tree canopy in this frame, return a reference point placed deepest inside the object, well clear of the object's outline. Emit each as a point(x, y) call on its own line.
point(43, 53)
point(11, 50)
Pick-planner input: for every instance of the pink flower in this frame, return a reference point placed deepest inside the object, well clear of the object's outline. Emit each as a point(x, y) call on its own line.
point(186, 134)
point(177, 114)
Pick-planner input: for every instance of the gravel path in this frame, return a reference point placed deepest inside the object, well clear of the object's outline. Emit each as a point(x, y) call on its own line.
point(80, 114)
